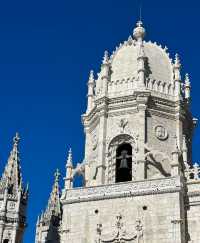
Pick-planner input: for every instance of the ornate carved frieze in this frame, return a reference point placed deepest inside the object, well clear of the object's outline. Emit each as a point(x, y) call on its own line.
point(117, 190)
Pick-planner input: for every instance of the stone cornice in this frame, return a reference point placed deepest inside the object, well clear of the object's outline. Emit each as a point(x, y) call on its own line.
point(129, 105)
point(120, 190)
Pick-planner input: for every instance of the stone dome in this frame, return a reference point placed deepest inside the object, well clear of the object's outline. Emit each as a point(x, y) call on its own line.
point(158, 65)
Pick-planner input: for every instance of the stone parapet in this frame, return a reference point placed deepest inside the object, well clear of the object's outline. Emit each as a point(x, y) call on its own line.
point(128, 189)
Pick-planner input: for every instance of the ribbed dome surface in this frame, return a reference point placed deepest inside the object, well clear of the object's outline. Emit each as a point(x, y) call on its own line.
point(158, 65)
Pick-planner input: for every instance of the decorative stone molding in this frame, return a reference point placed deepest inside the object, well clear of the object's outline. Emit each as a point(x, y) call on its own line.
point(119, 190)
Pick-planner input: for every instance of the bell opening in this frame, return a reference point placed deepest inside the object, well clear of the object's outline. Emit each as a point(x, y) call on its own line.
point(124, 163)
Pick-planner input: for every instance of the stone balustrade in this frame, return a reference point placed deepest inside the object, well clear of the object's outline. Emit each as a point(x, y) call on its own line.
point(193, 174)
point(161, 87)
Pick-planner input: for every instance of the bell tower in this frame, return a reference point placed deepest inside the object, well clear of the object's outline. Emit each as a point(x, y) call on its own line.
point(135, 112)
point(138, 139)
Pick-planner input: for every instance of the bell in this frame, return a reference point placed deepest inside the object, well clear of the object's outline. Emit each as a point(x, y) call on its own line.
point(124, 162)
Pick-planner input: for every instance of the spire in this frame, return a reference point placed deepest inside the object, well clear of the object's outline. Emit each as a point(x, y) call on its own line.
point(91, 83)
point(53, 208)
point(177, 68)
point(12, 174)
point(177, 74)
point(187, 87)
point(139, 33)
point(69, 159)
point(69, 170)
point(105, 72)
point(106, 58)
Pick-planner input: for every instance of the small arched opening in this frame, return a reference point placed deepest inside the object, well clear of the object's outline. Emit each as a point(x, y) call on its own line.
point(124, 163)
point(6, 241)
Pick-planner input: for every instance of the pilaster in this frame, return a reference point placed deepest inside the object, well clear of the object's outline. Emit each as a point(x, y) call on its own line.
point(100, 179)
point(142, 101)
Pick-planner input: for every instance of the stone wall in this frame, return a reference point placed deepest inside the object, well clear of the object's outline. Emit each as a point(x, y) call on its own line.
point(155, 203)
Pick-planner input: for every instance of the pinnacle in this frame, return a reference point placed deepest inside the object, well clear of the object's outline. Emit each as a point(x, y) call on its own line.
point(177, 61)
point(187, 78)
point(106, 57)
point(57, 175)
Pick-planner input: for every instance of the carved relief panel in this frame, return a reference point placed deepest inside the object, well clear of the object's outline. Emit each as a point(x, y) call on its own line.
point(120, 234)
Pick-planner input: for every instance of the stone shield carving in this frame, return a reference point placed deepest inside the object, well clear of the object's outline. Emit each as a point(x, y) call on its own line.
point(161, 132)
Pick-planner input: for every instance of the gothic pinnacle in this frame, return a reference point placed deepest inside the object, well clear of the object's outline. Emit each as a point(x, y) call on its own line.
point(106, 58)
point(91, 77)
point(57, 175)
point(187, 87)
point(177, 63)
point(187, 79)
point(69, 159)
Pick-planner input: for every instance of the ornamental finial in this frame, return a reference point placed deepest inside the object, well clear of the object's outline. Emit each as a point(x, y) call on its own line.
point(57, 175)
point(177, 62)
point(106, 58)
point(139, 32)
point(187, 79)
point(16, 139)
point(69, 158)
point(91, 77)
point(187, 88)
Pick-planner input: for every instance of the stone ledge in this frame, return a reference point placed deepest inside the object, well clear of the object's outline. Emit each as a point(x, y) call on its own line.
point(120, 190)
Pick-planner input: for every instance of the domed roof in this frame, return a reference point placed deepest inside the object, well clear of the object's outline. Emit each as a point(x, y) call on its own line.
point(158, 65)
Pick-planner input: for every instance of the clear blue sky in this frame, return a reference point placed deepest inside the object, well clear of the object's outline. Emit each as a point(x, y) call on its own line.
point(46, 51)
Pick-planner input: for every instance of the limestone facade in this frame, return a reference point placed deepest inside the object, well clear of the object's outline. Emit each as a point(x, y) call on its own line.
point(139, 182)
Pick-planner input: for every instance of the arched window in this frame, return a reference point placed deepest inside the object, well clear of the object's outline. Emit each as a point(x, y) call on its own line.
point(124, 163)
point(6, 241)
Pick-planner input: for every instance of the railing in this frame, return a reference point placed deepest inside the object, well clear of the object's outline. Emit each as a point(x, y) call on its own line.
point(129, 84)
point(161, 87)
point(124, 86)
point(193, 174)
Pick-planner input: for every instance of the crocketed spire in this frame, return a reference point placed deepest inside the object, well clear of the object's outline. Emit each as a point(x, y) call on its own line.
point(53, 210)
point(12, 178)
